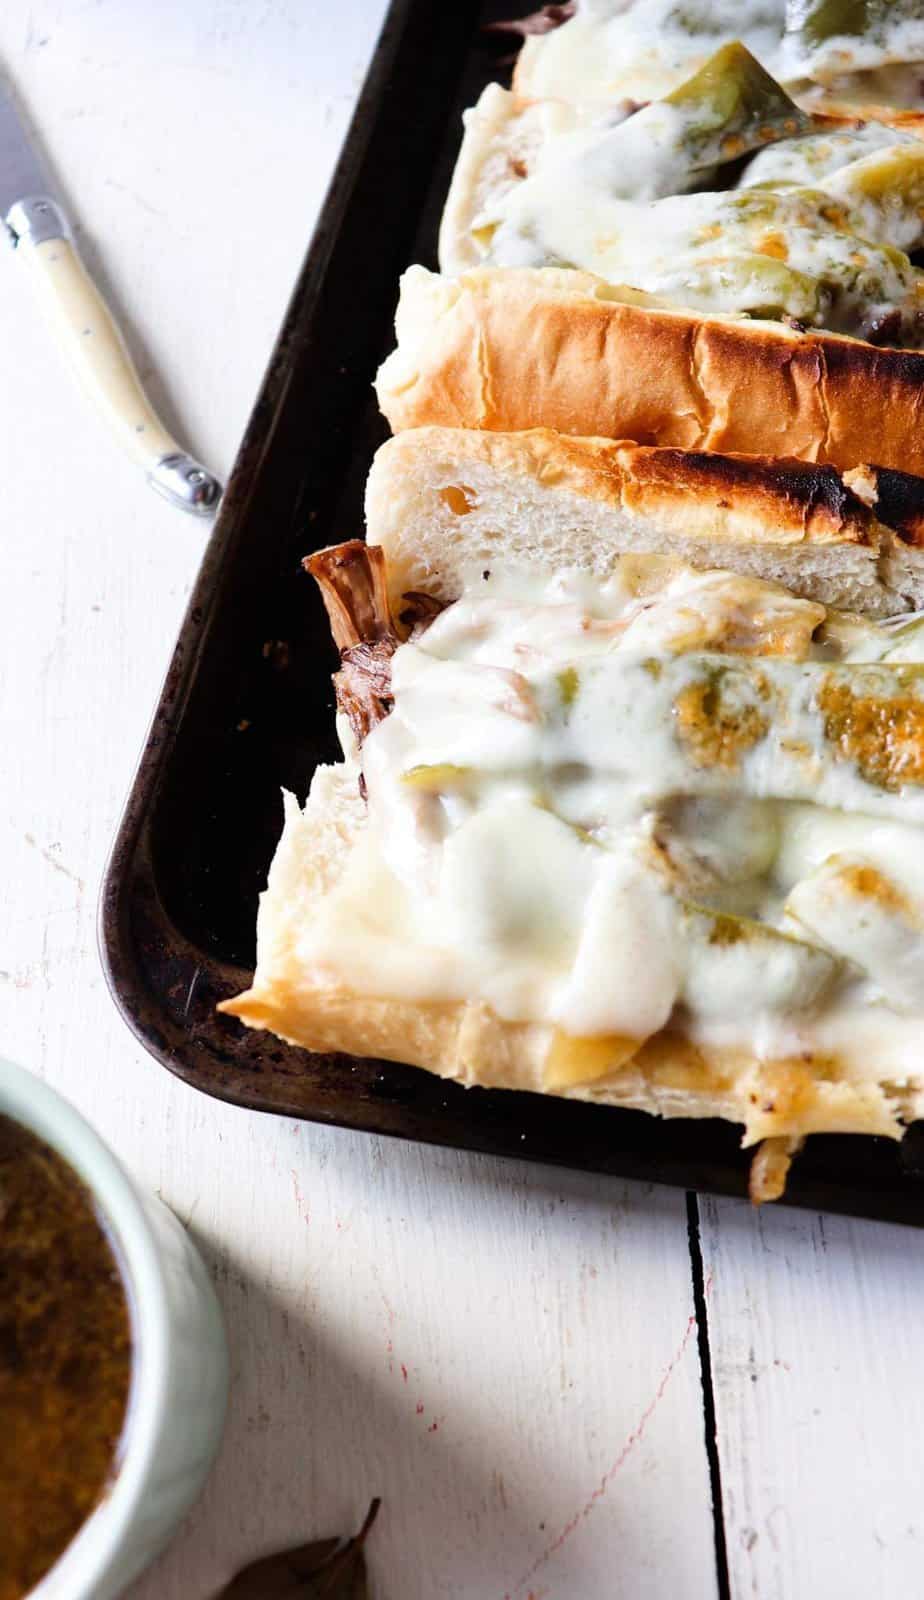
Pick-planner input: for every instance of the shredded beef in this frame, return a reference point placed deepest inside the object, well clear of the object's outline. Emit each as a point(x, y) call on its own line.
point(352, 581)
point(351, 578)
point(363, 685)
point(545, 20)
point(418, 610)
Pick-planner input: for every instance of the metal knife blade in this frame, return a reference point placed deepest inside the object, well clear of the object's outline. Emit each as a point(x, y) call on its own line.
point(22, 172)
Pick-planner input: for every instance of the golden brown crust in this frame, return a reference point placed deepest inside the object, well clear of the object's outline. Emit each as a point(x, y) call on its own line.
point(510, 349)
point(467, 1042)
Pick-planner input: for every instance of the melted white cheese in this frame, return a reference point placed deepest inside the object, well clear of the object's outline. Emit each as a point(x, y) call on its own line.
point(808, 160)
point(894, 33)
point(643, 48)
point(761, 252)
point(899, 85)
point(818, 229)
point(552, 833)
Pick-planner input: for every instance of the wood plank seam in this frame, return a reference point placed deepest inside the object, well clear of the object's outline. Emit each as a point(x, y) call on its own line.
point(700, 1293)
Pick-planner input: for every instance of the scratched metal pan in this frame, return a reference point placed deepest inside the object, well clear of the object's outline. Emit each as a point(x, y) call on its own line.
point(247, 706)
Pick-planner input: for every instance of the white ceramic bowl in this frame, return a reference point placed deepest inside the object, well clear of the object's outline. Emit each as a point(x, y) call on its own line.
point(179, 1368)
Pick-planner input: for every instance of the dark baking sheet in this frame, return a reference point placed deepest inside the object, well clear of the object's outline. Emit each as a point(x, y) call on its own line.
point(247, 706)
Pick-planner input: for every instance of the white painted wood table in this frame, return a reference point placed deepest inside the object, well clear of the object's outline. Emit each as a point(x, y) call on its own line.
point(508, 1355)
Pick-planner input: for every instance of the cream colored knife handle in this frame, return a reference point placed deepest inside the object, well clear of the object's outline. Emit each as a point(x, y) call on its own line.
point(97, 352)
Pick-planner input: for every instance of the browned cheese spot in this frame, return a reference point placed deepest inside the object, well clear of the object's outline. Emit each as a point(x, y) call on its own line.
point(713, 732)
point(883, 736)
point(868, 883)
point(774, 244)
point(727, 930)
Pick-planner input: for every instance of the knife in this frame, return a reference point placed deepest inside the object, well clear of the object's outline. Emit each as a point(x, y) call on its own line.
point(37, 225)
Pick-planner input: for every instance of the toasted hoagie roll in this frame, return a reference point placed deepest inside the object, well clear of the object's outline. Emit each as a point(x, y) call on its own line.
point(716, 269)
point(608, 830)
point(516, 348)
point(512, 147)
point(438, 498)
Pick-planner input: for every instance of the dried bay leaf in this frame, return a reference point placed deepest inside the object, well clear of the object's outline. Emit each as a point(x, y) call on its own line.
point(326, 1569)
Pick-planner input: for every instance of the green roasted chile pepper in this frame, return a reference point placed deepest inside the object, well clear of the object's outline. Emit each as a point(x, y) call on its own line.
point(814, 22)
point(734, 107)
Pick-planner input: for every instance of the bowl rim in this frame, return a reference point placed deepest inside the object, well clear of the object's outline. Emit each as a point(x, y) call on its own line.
point(29, 1100)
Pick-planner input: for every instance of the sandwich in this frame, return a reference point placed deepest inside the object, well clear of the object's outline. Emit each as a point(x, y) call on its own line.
point(715, 269)
point(611, 825)
point(843, 54)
